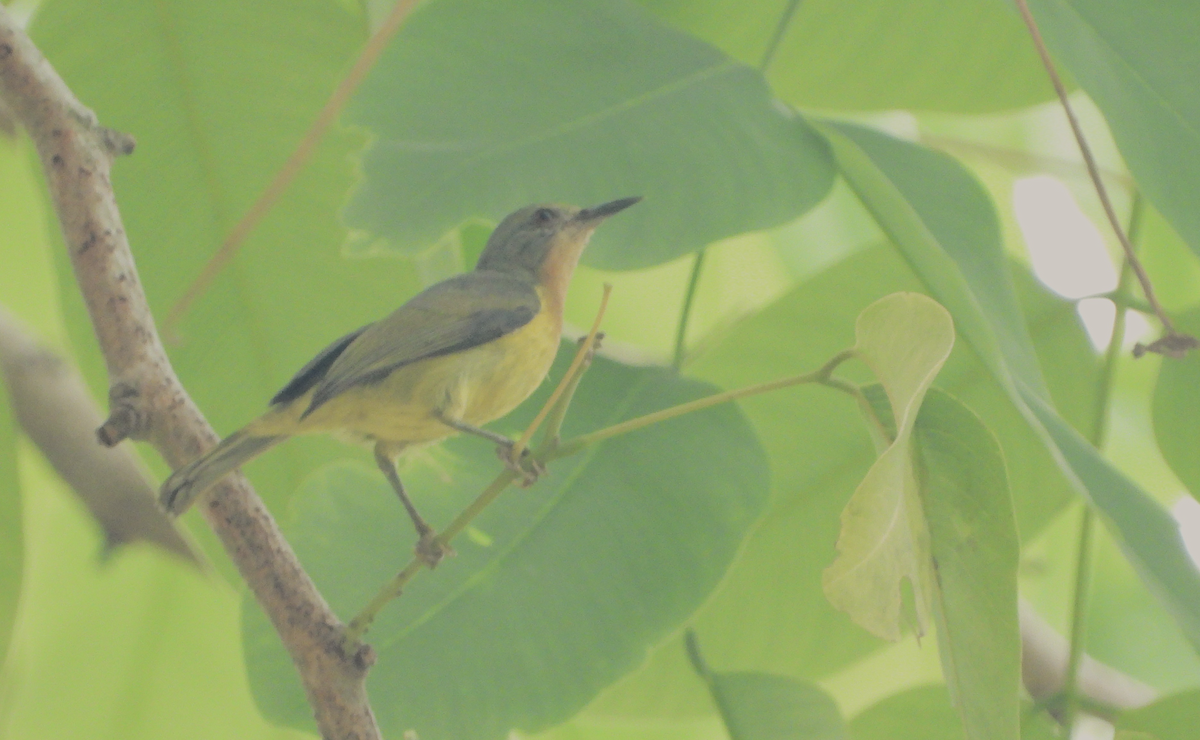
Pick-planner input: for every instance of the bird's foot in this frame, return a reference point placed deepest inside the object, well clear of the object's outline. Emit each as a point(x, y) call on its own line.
point(527, 469)
point(431, 550)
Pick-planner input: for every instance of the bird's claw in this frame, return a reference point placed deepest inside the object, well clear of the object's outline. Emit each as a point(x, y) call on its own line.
point(527, 469)
point(431, 550)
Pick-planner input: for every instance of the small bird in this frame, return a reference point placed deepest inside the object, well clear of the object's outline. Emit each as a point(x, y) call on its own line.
point(458, 355)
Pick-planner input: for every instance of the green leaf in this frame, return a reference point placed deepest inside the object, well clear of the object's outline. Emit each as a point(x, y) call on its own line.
point(12, 531)
point(602, 101)
point(973, 543)
point(762, 706)
point(878, 54)
point(1170, 718)
point(1140, 69)
point(556, 592)
point(922, 200)
point(234, 85)
point(904, 338)
point(1177, 410)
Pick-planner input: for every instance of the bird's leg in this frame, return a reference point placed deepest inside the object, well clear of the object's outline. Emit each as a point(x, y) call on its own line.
point(428, 548)
point(529, 469)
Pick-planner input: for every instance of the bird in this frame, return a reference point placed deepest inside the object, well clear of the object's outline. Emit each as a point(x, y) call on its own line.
point(459, 354)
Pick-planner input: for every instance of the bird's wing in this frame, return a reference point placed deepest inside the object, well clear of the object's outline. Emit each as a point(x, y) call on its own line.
point(452, 316)
point(311, 374)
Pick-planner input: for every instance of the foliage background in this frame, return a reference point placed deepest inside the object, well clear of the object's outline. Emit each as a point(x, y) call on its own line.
point(479, 107)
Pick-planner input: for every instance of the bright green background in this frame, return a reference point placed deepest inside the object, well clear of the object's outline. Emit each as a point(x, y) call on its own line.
point(812, 197)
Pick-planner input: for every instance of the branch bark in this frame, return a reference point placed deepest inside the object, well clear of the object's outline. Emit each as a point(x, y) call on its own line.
point(147, 400)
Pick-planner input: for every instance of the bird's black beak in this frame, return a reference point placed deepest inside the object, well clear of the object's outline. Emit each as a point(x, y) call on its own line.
point(598, 213)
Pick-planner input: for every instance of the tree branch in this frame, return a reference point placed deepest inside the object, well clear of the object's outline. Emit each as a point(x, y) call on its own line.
point(147, 400)
point(58, 415)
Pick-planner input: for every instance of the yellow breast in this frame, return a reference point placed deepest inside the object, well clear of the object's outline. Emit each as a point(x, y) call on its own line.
point(477, 386)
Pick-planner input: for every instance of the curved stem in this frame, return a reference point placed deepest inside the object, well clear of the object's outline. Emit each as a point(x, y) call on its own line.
point(777, 37)
point(1183, 342)
point(688, 298)
point(1083, 562)
point(550, 449)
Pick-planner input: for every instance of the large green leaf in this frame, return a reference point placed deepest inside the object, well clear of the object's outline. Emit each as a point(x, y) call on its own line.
point(943, 224)
point(12, 531)
point(234, 85)
point(904, 338)
point(1177, 410)
point(819, 451)
point(1139, 66)
point(968, 56)
point(480, 107)
point(973, 543)
point(1171, 718)
point(556, 592)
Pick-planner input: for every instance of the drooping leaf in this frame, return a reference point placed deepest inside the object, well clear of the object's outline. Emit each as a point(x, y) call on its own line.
point(919, 198)
point(1140, 69)
point(904, 338)
point(1177, 410)
point(819, 450)
point(877, 54)
point(556, 591)
point(480, 107)
point(973, 543)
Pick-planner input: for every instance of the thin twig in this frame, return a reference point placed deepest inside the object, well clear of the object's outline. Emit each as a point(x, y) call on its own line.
point(294, 164)
point(689, 298)
point(585, 348)
point(147, 400)
point(1173, 344)
point(550, 449)
point(555, 410)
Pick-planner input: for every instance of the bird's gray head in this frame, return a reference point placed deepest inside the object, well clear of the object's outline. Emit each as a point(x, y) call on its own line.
point(527, 239)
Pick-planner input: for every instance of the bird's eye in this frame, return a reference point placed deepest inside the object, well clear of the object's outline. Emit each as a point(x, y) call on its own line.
point(543, 215)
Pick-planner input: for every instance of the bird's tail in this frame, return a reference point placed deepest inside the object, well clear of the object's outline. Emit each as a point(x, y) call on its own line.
point(181, 489)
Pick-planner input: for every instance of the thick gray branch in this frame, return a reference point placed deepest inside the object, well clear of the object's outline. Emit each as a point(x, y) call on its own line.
point(58, 414)
point(149, 402)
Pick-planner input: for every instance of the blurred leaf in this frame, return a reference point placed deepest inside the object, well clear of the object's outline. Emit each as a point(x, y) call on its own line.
point(1177, 410)
point(904, 338)
point(975, 551)
point(1140, 69)
point(575, 579)
point(234, 85)
point(764, 706)
point(819, 451)
point(602, 101)
point(761, 706)
point(1171, 718)
point(929, 206)
point(878, 54)
point(917, 714)
point(12, 537)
